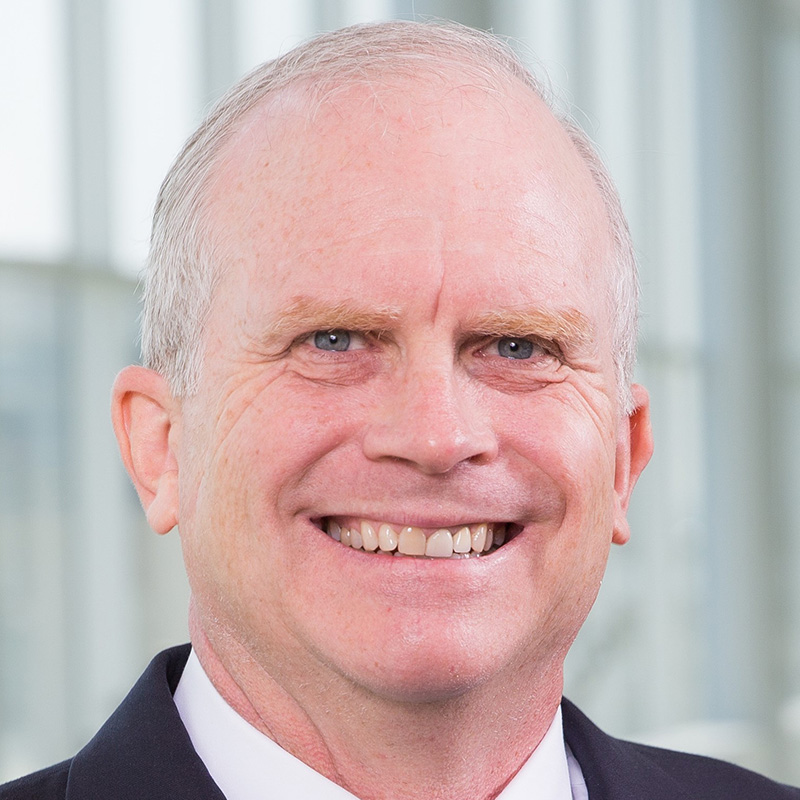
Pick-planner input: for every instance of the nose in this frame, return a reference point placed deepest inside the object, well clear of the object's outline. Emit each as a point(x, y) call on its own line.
point(427, 421)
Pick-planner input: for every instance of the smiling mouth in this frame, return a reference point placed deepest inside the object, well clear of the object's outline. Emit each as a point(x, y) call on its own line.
point(460, 541)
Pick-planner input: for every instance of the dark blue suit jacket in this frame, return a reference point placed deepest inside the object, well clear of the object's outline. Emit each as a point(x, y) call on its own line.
point(143, 752)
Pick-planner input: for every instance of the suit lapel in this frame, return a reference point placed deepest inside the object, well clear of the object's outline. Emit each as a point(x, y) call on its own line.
point(143, 752)
point(614, 769)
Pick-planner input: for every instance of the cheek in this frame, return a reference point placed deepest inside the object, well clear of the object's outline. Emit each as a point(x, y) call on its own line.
point(239, 485)
point(563, 435)
point(576, 453)
point(268, 430)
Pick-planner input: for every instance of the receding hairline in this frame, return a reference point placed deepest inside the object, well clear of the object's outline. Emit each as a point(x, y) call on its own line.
point(373, 55)
point(304, 100)
point(300, 103)
point(305, 96)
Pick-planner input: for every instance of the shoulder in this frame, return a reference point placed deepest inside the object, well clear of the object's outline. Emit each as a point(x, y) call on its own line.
point(142, 752)
point(724, 780)
point(48, 784)
point(614, 767)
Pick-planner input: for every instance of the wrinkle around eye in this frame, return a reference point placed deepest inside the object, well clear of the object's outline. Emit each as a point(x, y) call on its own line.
point(236, 397)
point(333, 367)
point(301, 359)
point(593, 404)
point(519, 381)
point(542, 368)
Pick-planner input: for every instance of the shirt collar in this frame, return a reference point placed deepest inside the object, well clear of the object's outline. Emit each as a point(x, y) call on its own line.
point(245, 763)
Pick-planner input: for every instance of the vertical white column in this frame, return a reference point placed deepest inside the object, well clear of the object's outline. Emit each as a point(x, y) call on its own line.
point(545, 28)
point(612, 82)
point(742, 596)
point(106, 632)
point(669, 511)
point(34, 203)
point(783, 172)
point(34, 632)
point(154, 100)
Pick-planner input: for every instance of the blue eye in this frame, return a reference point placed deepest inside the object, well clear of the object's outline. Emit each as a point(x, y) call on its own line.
point(515, 348)
point(332, 340)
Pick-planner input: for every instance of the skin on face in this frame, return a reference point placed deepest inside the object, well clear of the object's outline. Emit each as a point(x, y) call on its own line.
point(434, 223)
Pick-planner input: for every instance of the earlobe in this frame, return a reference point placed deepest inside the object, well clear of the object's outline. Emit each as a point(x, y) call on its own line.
point(634, 448)
point(144, 414)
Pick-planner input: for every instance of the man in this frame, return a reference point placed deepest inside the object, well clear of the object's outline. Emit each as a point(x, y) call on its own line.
point(388, 333)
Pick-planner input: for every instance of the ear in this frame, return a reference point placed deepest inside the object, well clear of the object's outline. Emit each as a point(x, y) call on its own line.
point(144, 413)
point(634, 448)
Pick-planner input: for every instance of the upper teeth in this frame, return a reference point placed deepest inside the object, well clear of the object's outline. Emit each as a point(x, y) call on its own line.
point(459, 542)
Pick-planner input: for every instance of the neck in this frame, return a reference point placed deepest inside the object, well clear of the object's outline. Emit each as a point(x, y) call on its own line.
point(466, 746)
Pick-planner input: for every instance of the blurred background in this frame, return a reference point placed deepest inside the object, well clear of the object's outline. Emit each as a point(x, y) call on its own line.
point(695, 105)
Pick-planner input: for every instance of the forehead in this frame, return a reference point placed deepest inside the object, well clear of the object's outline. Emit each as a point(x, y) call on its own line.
point(481, 177)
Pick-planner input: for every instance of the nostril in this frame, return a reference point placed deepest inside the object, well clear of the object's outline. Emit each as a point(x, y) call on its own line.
point(429, 423)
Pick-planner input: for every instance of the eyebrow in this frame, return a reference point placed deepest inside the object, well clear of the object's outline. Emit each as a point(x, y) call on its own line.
point(569, 328)
point(306, 314)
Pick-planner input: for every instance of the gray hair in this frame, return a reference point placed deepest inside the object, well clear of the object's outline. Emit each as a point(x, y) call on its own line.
point(182, 267)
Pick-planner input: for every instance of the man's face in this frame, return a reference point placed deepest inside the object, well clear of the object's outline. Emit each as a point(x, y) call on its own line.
point(412, 330)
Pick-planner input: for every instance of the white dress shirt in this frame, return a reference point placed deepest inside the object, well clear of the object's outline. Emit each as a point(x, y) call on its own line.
point(247, 765)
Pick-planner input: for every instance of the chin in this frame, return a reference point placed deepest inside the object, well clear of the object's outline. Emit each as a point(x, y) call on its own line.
point(432, 665)
point(424, 681)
